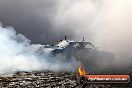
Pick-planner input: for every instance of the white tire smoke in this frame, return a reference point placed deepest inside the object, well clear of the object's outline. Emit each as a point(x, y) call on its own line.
point(17, 54)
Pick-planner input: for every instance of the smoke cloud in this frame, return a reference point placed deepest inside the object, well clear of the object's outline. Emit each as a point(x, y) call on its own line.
point(107, 24)
point(17, 54)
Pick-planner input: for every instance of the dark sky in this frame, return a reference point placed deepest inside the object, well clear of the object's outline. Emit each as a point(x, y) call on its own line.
point(32, 18)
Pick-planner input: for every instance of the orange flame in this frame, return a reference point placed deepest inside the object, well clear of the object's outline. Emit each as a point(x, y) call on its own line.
point(81, 71)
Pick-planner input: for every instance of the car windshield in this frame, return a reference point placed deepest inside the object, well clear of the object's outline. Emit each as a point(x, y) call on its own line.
point(63, 44)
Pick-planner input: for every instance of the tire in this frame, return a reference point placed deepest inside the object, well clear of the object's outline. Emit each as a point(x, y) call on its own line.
point(82, 80)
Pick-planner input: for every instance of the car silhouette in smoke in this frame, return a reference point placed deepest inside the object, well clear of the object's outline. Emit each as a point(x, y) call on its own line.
point(85, 52)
